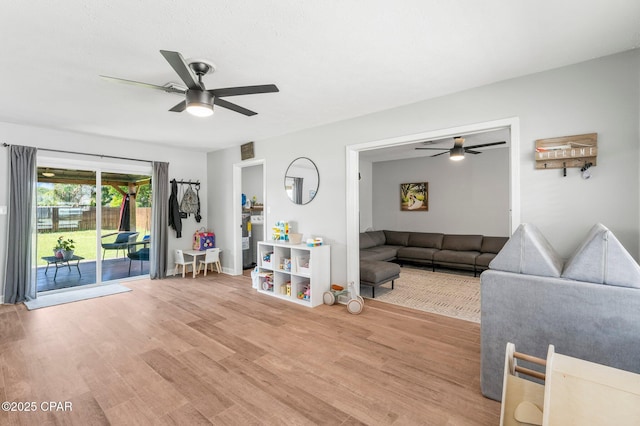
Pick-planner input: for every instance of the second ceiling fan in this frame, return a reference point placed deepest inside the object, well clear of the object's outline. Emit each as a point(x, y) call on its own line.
point(456, 153)
point(198, 100)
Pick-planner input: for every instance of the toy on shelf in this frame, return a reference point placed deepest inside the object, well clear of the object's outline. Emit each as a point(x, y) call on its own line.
point(286, 265)
point(304, 292)
point(314, 242)
point(285, 289)
point(267, 282)
point(302, 264)
point(281, 231)
point(266, 259)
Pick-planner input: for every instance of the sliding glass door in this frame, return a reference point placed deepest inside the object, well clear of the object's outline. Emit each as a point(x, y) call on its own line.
point(101, 211)
point(126, 225)
point(66, 228)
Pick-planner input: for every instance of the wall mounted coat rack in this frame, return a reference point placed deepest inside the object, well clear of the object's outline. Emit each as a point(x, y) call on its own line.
point(187, 182)
point(567, 151)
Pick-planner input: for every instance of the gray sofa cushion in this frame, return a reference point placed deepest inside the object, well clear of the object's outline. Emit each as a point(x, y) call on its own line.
point(425, 239)
point(493, 244)
point(374, 273)
point(462, 242)
point(484, 259)
point(366, 241)
point(377, 237)
point(416, 253)
point(379, 253)
point(396, 238)
point(457, 257)
point(528, 252)
point(602, 259)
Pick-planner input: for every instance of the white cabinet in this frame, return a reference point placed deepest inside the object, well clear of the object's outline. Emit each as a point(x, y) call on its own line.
point(294, 272)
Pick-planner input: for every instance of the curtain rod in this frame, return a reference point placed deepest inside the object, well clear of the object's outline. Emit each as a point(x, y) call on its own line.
point(84, 153)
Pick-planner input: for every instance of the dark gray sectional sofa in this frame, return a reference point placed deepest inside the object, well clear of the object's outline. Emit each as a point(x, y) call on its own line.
point(471, 252)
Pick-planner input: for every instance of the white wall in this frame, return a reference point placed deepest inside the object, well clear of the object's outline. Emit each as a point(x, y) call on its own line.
point(183, 165)
point(595, 96)
point(366, 194)
point(220, 201)
point(252, 182)
point(465, 197)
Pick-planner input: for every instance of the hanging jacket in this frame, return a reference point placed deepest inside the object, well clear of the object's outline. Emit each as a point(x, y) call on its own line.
point(198, 216)
point(174, 210)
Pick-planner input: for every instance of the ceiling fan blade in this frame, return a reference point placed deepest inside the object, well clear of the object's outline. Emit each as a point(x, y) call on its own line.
point(169, 89)
point(244, 90)
point(470, 151)
point(442, 153)
point(180, 107)
point(487, 144)
point(177, 62)
point(233, 107)
point(437, 149)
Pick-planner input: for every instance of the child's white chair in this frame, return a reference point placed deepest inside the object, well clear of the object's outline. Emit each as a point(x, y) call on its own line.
point(211, 257)
point(180, 262)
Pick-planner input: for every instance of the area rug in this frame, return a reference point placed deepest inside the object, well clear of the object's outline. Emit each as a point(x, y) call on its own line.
point(456, 296)
point(60, 298)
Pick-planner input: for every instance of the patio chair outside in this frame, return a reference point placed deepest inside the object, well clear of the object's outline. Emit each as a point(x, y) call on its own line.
point(141, 255)
point(122, 242)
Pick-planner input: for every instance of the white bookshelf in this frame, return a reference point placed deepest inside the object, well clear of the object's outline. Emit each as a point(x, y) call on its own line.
point(308, 266)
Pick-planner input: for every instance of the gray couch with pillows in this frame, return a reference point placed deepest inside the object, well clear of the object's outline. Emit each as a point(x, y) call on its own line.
point(588, 307)
point(472, 252)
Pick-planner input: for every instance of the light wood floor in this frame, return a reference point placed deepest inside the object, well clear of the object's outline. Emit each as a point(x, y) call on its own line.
point(213, 351)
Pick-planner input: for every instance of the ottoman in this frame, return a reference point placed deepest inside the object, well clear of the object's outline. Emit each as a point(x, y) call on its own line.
point(376, 272)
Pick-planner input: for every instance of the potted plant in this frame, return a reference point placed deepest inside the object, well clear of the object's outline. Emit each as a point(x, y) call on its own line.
point(64, 248)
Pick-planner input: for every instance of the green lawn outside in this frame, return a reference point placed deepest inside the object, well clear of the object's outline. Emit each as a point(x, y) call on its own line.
point(85, 242)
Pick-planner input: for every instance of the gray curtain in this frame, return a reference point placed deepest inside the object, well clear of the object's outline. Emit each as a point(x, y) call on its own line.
point(297, 190)
point(20, 275)
point(159, 221)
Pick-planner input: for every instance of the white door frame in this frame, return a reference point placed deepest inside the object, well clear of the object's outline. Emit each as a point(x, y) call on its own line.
point(237, 209)
point(353, 189)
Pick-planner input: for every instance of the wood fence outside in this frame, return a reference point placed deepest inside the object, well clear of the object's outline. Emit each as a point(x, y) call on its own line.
point(54, 219)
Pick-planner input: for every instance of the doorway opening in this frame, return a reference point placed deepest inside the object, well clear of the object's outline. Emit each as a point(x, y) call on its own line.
point(353, 187)
point(249, 214)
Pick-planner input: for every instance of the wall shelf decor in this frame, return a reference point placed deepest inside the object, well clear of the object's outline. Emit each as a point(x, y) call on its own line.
point(567, 151)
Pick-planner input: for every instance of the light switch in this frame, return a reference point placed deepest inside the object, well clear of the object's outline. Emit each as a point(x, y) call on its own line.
point(3, 210)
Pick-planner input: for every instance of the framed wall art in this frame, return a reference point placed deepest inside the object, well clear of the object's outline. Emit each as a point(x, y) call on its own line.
point(414, 197)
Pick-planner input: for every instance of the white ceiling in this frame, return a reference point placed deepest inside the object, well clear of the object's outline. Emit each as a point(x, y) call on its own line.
point(332, 60)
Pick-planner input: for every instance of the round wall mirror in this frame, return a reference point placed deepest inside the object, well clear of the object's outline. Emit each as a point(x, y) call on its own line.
point(301, 180)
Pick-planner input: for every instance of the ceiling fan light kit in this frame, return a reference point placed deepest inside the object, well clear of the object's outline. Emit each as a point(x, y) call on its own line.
point(456, 153)
point(199, 103)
